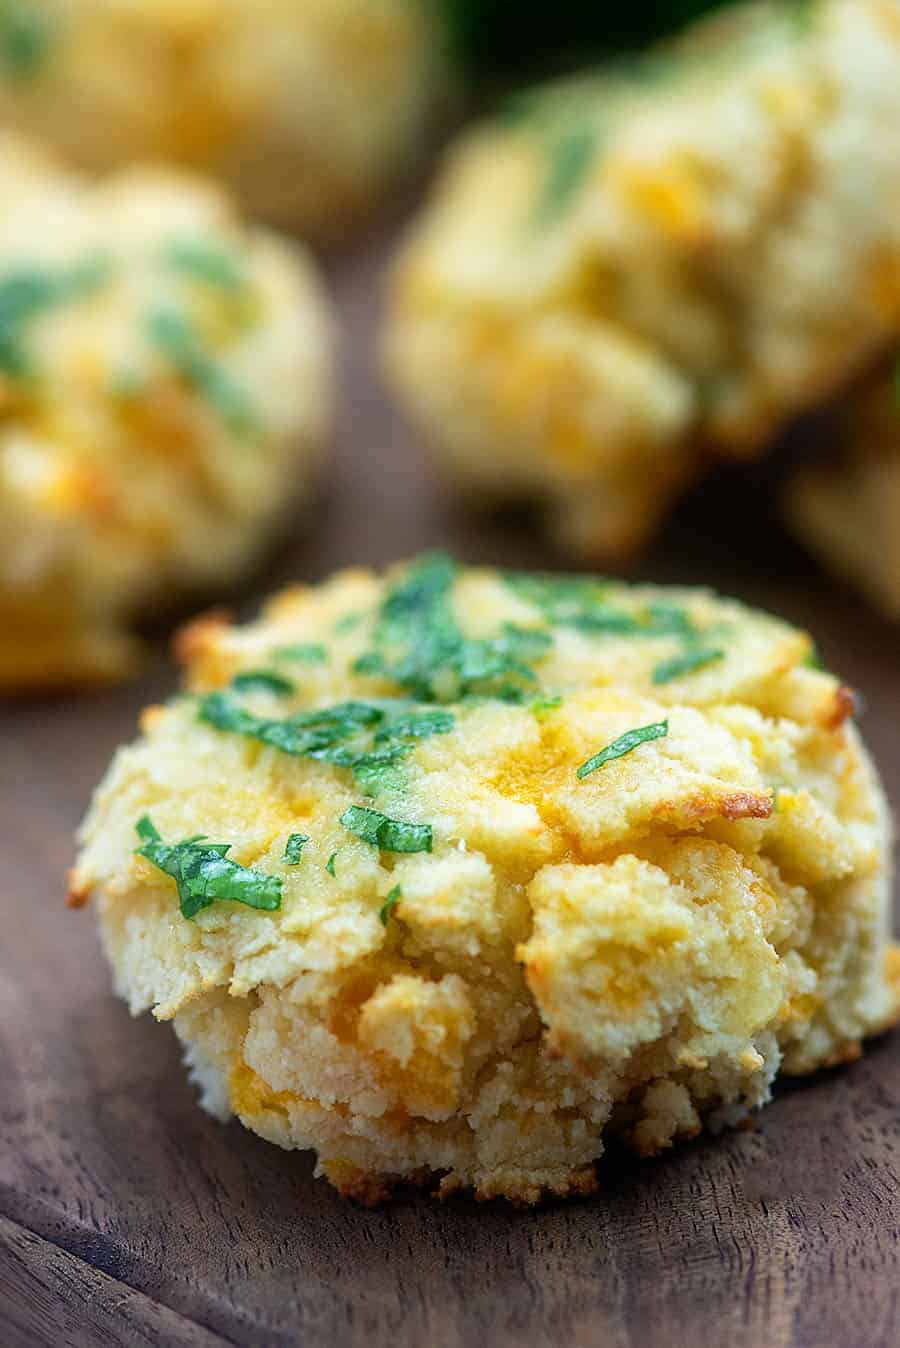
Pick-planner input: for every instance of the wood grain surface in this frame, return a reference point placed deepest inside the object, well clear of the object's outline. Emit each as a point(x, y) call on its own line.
point(129, 1217)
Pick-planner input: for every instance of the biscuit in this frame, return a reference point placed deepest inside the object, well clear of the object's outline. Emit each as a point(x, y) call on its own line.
point(165, 388)
point(637, 270)
point(848, 509)
point(494, 867)
point(302, 110)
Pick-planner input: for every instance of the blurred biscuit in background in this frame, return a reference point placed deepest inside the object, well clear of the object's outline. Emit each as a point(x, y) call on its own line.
point(303, 110)
point(165, 387)
point(848, 510)
point(635, 270)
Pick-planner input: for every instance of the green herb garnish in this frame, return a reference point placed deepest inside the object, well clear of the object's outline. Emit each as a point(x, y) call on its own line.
point(584, 604)
point(293, 848)
point(204, 260)
point(686, 663)
point(329, 864)
point(624, 745)
point(309, 652)
point(419, 645)
point(389, 835)
point(389, 905)
point(204, 875)
point(542, 705)
point(369, 738)
point(569, 159)
point(251, 679)
point(176, 339)
point(24, 38)
point(29, 291)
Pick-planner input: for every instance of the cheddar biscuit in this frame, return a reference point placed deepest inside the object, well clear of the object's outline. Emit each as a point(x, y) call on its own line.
point(165, 389)
point(457, 873)
point(634, 271)
point(848, 508)
point(302, 109)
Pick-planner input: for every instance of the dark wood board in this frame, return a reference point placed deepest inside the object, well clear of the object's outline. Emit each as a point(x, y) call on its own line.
point(129, 1217)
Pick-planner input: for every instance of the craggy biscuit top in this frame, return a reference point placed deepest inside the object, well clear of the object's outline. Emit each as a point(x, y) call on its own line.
point(464, 857)
point(677, 254)
point(164, 387)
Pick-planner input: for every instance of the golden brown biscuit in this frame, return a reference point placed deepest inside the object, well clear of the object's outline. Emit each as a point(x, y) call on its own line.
point(165, 389)
point(848, 510)
point(636, 269)
point(494, 866)
point(303, 109)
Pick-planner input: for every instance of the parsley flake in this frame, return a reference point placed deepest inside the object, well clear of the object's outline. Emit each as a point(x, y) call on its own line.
point(329, 864)
point(204, 260)
point(24, 38)
point(390, 903)
point(389, 835)
point(203, 874)
point(26, 292)
point(308, 651)
point(624, 745)
point(686, 663)
point(293, 848)
point(250, 679)
point(541, 706)
point(570, 156)
point(177, 340)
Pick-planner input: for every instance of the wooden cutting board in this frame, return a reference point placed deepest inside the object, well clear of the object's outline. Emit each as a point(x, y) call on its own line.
point(129, 1217)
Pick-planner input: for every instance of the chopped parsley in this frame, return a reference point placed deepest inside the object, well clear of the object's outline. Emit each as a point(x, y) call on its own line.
point(369, 738)
point(309, 652)
point(203, 874)
point(28, 291)
point(293, 848)
point(24, 38)
point(329, 864)
point(177, 340)
point(204, 260)
point(389, 835)
point(584, 604)
point(419, 645)
point(686, 663)
point(542, 705)
point(390, 903)
point(569, 159)
point(251, 679)
point(624, 745)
